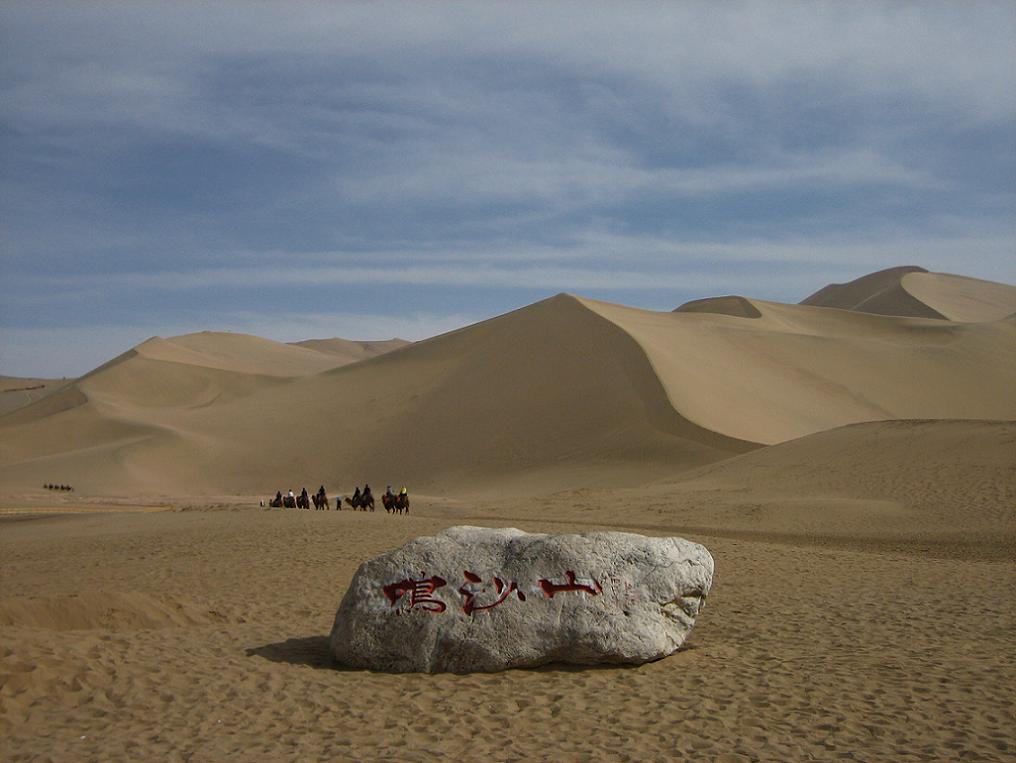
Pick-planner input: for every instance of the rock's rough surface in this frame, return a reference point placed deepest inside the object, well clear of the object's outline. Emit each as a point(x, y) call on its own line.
point(480, 599)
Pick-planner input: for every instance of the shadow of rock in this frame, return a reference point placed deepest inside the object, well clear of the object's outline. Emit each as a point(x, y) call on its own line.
point(312, 651)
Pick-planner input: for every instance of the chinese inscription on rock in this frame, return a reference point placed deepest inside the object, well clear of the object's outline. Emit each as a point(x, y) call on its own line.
point(478, 594)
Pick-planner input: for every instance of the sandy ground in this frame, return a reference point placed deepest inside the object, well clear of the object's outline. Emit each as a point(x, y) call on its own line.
point(202, 635)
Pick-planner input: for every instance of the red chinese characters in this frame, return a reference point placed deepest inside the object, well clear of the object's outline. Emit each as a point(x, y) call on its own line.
point(471, 590)
point(587, 585)
point(477, 595)
point(421, 593)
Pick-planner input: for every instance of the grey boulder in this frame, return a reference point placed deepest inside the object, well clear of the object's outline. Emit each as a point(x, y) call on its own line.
point(482, 599)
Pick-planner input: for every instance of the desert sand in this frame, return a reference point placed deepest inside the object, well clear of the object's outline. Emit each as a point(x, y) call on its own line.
point(17, 392)
point(850, 462)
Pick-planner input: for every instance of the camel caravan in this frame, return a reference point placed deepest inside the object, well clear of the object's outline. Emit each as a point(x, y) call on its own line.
point(394, 503)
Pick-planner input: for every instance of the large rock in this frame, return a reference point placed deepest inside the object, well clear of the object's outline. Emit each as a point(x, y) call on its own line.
point(481, 599)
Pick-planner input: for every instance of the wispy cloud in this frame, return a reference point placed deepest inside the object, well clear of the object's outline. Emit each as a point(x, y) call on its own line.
point(596, 262)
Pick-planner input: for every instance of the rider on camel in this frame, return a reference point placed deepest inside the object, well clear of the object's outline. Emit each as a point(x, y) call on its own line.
point(367, 497)
point(356, 496)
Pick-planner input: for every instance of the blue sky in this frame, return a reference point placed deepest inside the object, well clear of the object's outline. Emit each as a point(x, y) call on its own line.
point(371, 170)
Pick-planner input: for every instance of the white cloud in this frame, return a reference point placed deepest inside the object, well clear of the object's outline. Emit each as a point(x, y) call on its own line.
point(595, 261)
point(154, 59)
point(604, 176)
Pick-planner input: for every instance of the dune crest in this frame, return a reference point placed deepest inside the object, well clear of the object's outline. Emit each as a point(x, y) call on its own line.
point(881, 293)
point(350, 351)
point(736, 306)
point(237, 353)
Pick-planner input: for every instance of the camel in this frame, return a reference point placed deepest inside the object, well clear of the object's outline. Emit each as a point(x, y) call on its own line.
point(320, 501)
point(357, 502)
point(395, 504)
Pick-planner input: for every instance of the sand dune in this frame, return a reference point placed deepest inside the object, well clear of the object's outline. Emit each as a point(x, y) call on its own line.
point(351, 351)
point(796, 369)
point(17, 392)
point(914, 292)
point(881, 293)
point(959, 298)
point(238, 353)
point(565, 391)
point(122, 416)
point(175, 371)
point(549, 389)
point(739, 307)
point(950, 485)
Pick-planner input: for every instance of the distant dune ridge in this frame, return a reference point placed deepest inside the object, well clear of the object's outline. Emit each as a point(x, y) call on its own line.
point(568, 390)
point(913, 291)
point(349, 351)
point(17, 392)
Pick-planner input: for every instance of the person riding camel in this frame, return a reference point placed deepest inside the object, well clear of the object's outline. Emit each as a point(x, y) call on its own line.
point(321, 491)
point(404, 491)
point(388, 492)
point(366, 497)
point(356, 496)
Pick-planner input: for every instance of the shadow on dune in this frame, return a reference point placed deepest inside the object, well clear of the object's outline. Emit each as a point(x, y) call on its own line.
point(311, 650)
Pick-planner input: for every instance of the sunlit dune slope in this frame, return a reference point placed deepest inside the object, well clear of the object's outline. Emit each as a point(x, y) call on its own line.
point(795, 369)
point(959, 298)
